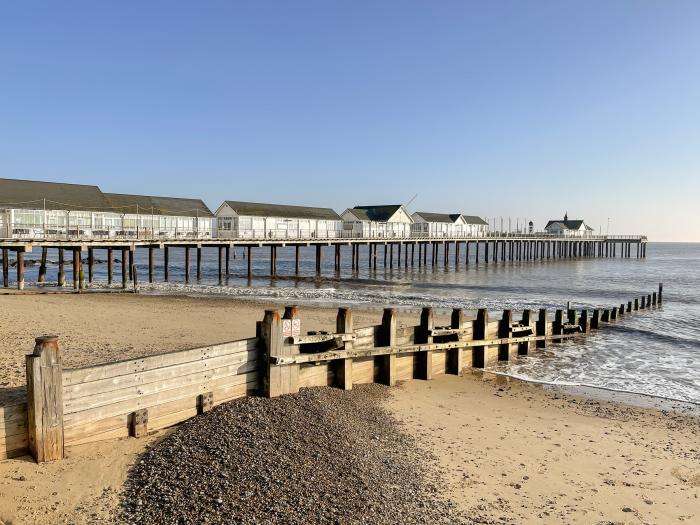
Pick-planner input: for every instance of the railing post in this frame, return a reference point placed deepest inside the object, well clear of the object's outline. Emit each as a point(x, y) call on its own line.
point(343, 367)
point(45, 400)
point(388, 338)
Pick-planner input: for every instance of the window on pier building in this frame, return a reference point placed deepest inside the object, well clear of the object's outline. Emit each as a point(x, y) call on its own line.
point(224, 223)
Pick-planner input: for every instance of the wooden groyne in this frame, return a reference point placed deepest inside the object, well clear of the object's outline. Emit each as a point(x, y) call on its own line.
point(130, 398)
point(389, 253)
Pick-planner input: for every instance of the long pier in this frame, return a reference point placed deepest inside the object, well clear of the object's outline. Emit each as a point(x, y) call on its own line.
point(390, 252)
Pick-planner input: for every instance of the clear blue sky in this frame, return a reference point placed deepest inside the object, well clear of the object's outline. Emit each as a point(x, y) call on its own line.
point(497, 108)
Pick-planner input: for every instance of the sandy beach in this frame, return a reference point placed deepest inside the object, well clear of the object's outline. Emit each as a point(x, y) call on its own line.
point(511, 451)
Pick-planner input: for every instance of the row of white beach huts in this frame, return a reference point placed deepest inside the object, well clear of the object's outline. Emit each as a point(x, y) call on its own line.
point(35, 209)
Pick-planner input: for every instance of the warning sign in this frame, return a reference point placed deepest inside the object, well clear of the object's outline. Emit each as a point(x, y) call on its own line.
point(286, 328)
point(296, 327)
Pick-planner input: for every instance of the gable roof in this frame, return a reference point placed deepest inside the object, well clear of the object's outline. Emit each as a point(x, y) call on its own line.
point(174, 206)
point(31, 194)
point(257, 209)
point(473, 219)
point(380, 213)
point(569, 224)
point(439, 217)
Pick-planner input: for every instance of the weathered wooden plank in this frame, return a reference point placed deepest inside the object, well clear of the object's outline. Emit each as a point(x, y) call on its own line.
point(404, 367)
point(14, 411)
point(439, 362)
point(117, 368)
point(12, 428)
point(363, 370)
point(78, 404)
point(315, 375)
point(147, 401)
point(111, 384)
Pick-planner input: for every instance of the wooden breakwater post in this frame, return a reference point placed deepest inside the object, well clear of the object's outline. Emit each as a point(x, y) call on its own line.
point(45, 400)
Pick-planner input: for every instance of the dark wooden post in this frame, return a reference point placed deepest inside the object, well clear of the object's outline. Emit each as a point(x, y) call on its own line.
point(541, 327)
point(273, 266)
point(504, 326)
point(110, 265)
point(187, 264)
point(605, 317)
point(636, 304)
point(343, 367)
point(318, 259)
point(45, 400)
point(76, 269)
point(296, 259)
point(151, 263)
point(5, 267)
point(228, 259)
point(91, 265)
point(558, 325)
point(629, 306)
point(479, 331)
point(125, 257)
point(653, 299)
point(584, 322)
point(595, 320)
point(199, 262)
point(42, 266)
point(166, 263)
point(455, 356)
point(81, 271)
point(20, 269)
point(613, 313)
point(131, 263)
point(425, 359)
point(387, 337)
point(250, 262)
point(524, 348)
point(661, 293)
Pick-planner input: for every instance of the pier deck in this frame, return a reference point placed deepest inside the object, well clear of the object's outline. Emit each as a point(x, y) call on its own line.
point(490, 248)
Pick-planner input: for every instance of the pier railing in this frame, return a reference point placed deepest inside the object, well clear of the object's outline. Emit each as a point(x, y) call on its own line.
point(67, 407)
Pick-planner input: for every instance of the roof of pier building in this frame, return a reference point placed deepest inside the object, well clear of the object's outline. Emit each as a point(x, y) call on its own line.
point(37, 195)
point(569, 224)
point(381, 213)
point(473, 219)
point(148, 204)
point(449, 218)
point(284, 211)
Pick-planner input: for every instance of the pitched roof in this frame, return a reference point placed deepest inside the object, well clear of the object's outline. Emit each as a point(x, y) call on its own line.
point(375, 213)
point(439, 217)
point(33, 195)
point(569, 224)
point(473, 219)
point(175, 206)
point(257, 209)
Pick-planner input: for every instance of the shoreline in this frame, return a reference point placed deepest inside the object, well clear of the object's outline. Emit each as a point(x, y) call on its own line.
point(162, 331)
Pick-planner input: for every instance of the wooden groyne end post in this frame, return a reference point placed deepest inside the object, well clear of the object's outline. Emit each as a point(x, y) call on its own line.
point(387, 336)
point(425, 359)
point(45, 400)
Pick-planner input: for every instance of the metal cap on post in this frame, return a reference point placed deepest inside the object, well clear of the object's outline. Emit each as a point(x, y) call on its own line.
point(45, 400)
